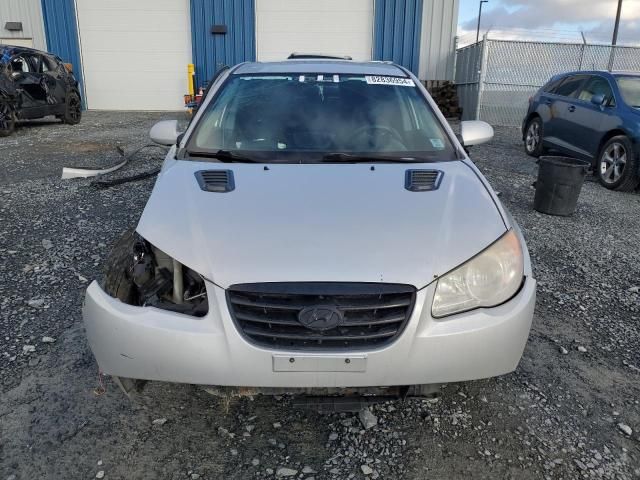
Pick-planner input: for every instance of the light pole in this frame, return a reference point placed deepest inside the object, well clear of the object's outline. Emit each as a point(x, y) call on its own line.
point(480, 16)
point(615, 29)
point(614, 41)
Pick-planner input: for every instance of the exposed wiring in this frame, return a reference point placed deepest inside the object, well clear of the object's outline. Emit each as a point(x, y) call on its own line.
point(120, 181)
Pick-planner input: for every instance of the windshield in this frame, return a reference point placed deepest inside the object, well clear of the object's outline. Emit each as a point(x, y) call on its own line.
point(630, 90)
point(313, 117)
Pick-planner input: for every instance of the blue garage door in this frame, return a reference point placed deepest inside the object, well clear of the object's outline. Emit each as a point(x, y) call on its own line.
point(211, 51)
point(61, 31)
point(397, 32)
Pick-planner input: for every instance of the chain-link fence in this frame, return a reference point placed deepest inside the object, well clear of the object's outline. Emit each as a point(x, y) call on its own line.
point(495, 78)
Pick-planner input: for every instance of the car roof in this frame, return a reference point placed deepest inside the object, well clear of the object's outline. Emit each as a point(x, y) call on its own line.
point(618, 73)
point(6, 50)
point(601, 72)
point(321, 66)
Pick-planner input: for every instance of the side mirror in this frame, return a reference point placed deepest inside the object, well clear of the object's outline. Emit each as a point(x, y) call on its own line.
point(475, 132)
point(598, 99)
point(165, 132)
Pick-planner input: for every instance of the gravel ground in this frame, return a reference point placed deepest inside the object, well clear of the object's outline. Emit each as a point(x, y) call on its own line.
point(571, 410)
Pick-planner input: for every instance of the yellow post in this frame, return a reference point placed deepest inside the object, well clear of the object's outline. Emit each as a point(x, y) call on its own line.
point(191, 71)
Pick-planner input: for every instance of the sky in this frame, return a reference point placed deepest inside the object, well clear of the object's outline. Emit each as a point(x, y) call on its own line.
point(553, 19)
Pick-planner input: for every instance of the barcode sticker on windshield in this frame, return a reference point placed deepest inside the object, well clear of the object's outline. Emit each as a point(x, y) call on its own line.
point(377, 80)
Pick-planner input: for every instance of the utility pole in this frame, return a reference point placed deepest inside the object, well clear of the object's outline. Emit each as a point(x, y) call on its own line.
point(614, 41)
point(480, 16)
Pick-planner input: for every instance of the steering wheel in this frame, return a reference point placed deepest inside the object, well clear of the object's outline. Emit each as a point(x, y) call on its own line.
point(376, 135)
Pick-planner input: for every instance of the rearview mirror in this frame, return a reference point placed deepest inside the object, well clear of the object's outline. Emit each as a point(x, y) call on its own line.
point(597, 99)
point(475, 132)
point(165, 132)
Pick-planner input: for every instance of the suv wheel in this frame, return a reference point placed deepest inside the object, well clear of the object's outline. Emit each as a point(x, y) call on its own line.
point(73, 109)
point(617, 165)
point(533, 138)
point(7, 119)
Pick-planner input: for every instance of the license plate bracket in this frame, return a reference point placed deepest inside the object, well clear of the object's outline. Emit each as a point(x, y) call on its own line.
point(319, 363)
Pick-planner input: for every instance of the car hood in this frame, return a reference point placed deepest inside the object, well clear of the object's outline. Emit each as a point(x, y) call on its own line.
point(321, 222)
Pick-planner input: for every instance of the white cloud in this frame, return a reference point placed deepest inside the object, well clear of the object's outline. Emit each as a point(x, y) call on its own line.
point(595, 17)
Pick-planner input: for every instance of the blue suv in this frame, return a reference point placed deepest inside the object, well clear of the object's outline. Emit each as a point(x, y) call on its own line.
point(594, 116)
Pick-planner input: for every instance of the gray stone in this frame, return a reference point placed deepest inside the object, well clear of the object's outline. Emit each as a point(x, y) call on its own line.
point(366, 469)
point(286, 472)
point(159, 421)
point(368, 419)
point(626, 429)
point(36, 302)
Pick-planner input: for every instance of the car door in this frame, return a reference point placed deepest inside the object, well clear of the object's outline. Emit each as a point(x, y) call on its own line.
point(54, 73)
point(561, 104)
point(545, 103)
point(585, 123)
point(27, 79)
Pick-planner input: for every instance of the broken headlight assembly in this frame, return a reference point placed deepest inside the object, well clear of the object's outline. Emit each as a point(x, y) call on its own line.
point(489, 279)
point(140, 274)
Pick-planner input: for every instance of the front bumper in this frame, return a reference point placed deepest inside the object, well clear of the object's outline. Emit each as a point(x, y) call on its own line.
point(152, 344)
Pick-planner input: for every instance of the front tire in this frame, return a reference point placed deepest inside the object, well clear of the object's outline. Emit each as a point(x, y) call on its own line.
point(7, 119)
point(533, 138)
point(617, 165)
point(73, 109)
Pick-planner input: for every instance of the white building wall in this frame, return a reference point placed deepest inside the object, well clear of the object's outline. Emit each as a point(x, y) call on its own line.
point(29, 12)
point(437, 39)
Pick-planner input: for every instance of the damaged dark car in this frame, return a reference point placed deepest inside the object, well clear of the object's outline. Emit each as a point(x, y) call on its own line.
point(36, 84)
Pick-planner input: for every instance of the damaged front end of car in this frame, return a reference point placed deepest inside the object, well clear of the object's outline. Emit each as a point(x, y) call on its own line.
point(140, 274)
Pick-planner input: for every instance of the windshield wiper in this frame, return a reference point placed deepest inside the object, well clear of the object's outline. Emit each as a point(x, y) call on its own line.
point(348, 157)
point(223, 155)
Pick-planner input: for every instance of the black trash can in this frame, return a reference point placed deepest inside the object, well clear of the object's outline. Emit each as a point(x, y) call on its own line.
point(559, 183)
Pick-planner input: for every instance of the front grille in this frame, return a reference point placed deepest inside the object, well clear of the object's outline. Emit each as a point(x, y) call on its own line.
point(370, 314)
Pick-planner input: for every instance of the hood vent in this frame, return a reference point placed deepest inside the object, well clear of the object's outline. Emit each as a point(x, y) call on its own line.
point(219, 181)
point(423, 180)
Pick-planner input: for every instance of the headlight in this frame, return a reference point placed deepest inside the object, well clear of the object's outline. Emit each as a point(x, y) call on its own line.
point(140, 274)
point(489, 279)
